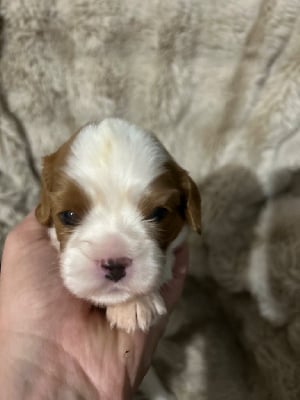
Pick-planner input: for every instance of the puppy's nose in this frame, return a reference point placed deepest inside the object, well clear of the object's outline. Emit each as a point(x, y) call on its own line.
point(115, 267)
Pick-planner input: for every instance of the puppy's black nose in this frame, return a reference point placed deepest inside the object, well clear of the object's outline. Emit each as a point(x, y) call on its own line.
point(115, 268)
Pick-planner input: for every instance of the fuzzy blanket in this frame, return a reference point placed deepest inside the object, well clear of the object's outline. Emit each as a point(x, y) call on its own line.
point(219, 83)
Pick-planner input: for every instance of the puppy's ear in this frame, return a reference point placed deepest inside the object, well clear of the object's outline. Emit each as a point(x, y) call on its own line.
point(43, 210)
point(192, 211)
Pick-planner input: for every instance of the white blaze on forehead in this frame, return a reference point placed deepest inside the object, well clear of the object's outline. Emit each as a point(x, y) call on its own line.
point(113, 158)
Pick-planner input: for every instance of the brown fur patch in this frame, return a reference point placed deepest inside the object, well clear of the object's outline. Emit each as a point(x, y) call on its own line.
point(59, 193)
point(52, 165)
point(175, 191)
point(67, 196)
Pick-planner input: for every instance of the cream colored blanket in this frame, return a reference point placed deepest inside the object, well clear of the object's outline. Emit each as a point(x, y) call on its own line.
point(219, 83)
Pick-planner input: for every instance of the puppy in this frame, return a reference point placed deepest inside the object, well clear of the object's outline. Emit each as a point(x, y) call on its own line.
point(117, 205)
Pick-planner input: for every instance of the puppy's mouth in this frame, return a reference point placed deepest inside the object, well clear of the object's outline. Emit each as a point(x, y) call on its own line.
point(116, 292)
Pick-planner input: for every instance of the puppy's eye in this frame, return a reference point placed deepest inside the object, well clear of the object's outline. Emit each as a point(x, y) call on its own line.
point(158, 214)
point(68, 218)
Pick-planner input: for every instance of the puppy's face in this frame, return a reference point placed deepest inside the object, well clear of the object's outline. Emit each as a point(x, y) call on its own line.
point(115, 201)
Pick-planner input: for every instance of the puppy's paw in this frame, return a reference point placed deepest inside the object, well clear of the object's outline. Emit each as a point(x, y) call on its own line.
point(139, 313)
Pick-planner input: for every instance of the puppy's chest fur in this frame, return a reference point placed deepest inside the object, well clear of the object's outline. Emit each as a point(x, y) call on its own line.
point(117, 204)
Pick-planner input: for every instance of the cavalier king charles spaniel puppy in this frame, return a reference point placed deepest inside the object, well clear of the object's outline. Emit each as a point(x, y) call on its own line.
point(117, 205)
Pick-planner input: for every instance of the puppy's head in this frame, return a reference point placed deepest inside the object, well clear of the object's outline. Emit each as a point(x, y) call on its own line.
point(115, 201)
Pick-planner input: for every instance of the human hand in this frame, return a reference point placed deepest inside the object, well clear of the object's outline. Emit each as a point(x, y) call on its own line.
point(55, 346)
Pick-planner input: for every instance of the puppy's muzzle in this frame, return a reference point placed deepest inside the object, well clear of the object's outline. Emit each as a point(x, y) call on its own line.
point(115, 268)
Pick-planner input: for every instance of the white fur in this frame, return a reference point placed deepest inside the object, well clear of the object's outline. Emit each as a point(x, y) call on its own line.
point(53, 237)
point(113, 163)
point(141, 312)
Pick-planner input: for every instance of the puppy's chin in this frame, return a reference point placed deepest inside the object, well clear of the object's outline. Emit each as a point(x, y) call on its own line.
point(115, 295)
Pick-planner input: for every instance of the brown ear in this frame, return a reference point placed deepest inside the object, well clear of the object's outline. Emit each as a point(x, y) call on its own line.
point(43, 210)
point(193, 202)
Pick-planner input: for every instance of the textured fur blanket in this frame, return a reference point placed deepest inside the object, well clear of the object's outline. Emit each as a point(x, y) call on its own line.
point(219, 83)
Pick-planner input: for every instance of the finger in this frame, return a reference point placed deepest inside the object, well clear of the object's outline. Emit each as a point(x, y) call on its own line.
point(31, 228)
point(172, 290)
point(26, 247)
point(23, 235)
